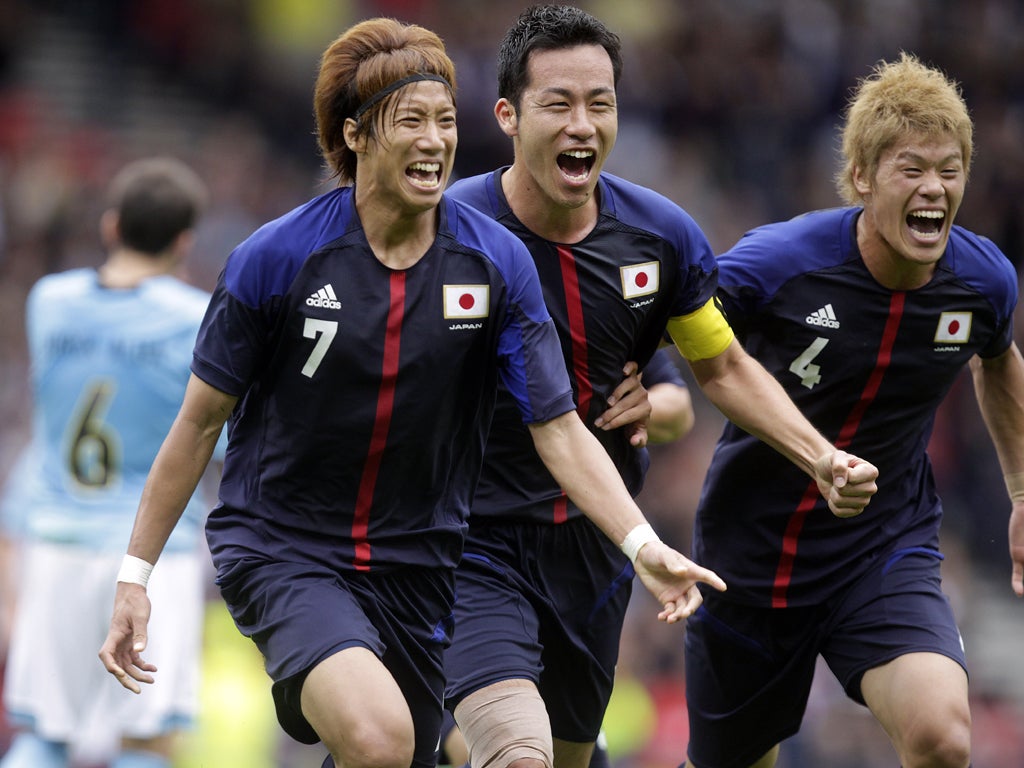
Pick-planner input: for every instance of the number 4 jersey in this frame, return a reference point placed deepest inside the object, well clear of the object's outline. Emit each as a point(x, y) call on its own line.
point(109, 369)
point(869, 367)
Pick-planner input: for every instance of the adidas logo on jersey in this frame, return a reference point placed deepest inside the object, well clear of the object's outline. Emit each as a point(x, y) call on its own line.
point(824, 317)
point(324, 298)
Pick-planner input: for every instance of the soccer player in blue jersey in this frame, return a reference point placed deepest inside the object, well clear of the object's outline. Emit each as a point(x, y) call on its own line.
point(670, 416)
point(110, 350)
point(356, 344)
point(866, 314)
point(542, 594)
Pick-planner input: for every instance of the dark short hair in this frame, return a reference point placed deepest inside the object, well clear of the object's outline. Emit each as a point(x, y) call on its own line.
point(156, 199)
point(544, 28)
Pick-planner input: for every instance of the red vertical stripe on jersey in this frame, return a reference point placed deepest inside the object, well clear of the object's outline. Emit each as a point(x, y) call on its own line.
point(875, 379)
point(577, 330)
point(381, 422)
point(578, 335)
point(784, 572)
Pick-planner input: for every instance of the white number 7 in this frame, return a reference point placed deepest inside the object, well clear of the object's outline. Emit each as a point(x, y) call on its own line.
point(326, 330)
point(809, 373)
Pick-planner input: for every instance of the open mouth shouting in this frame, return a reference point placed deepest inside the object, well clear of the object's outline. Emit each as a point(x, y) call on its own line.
point(576, 164)
point(926, 225)
point(425, 175)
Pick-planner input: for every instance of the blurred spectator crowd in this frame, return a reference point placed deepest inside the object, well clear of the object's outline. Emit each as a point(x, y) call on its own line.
point(729, 108)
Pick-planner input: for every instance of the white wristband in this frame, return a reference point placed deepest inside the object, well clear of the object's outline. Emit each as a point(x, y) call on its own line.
point(134, 570)
point(635, 540)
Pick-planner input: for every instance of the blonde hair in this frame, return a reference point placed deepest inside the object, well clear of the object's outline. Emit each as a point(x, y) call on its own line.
point(898, 98)
point(364, 60)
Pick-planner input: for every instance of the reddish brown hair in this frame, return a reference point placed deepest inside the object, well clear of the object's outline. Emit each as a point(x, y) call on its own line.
point(365, 59)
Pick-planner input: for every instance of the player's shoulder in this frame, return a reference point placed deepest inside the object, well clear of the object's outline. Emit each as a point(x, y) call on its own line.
point(625, 190)
point(476, 229)
point(61, 295)
point(477, 191)
point(640, 206)
point(636, 208)
point(808, 231)
point(981, 252)
point(978, 261)
point(61, 285)
point(173, 294)
point(770, 254)
point(267, 261)
point(305, 228)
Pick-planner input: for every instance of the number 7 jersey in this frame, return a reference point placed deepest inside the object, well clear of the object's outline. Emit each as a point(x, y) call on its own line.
point(366, 392)
point(869, 367)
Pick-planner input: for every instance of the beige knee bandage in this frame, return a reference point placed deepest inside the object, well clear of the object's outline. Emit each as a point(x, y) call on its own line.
point(504, 722)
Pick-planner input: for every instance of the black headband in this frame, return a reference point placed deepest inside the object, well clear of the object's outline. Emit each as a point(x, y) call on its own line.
point(394, 87)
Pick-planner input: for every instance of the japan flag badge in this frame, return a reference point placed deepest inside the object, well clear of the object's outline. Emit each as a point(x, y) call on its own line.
point(465, 301)
point(953, 328)
point(640, 279)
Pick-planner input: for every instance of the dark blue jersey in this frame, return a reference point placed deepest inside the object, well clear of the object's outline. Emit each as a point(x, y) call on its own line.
point(869, 367)
point(662, 369)
point(366, 392)
point(611, 296)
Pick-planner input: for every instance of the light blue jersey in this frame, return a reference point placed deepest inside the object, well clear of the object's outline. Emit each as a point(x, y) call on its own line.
point(109, 369)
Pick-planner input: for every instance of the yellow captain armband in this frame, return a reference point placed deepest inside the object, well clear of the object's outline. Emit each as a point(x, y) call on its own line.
point(701, 334)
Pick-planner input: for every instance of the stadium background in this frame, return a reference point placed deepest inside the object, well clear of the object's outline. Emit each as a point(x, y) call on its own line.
point(730, 108)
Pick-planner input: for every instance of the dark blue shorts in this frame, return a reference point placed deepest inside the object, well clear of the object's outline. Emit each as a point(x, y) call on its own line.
point(749, 669)
point(447, 726)
point(545, 603)
point(298, 614)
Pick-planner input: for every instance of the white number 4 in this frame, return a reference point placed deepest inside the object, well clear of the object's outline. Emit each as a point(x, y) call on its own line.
point(325, 330)
point(809, 373)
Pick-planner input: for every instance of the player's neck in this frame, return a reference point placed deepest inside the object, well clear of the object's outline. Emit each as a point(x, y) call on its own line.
point(545, 217)
point(398, 241)
point(889, 268)
point(128, 269)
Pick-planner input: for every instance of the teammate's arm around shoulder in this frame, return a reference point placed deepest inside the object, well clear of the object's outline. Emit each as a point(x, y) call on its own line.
point(172, 480)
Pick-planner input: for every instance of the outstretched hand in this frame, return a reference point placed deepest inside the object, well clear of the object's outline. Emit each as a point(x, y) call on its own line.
point(629, 407)
point(846, 481)
point(672, 578)
point(126, 639)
